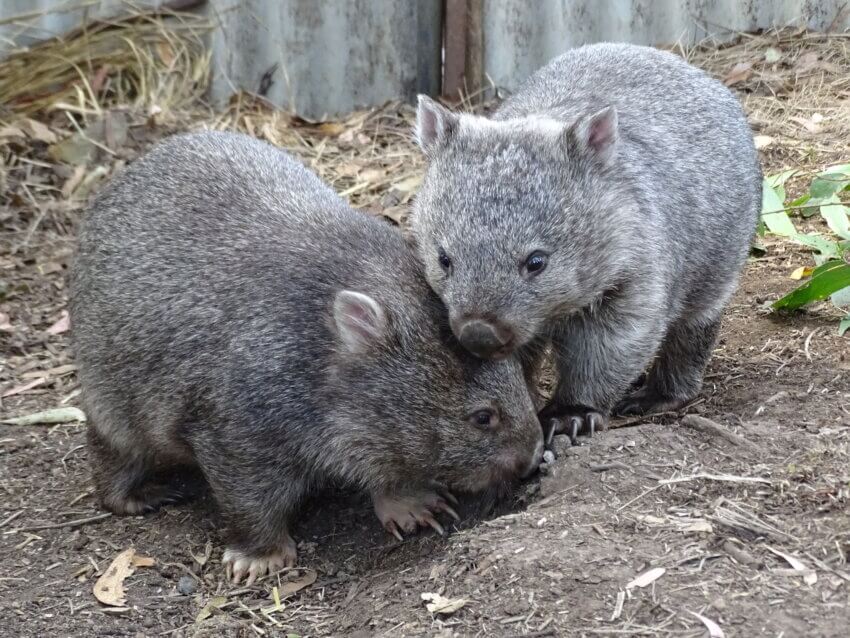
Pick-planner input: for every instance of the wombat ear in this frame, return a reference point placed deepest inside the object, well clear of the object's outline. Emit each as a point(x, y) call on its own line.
point(435, 125)
point(595, 135)
point(360, 321)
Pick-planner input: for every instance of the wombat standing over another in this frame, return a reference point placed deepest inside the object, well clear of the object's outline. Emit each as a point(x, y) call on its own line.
point(231, 313)
point(608, 207)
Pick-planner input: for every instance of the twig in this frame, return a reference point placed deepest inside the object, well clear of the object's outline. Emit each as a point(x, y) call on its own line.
point(707, 426)
point(604, 467)
point(10, 518)
point(685, 479)
point(72, 524)
point(808, 343)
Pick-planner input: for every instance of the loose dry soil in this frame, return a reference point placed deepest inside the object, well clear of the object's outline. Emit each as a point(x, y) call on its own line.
point(750, 531)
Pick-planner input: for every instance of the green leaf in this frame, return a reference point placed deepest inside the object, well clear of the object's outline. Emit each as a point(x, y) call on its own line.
point(841, 299)
point(778, 180)
point(800, 200)
point(830, 181)
point(837, 168)
point(773, 212)
point(844, 326)
point(825, 247)
point(835, 214)
point(826, 280)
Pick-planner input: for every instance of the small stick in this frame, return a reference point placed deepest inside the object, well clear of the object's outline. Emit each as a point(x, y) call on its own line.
point(10, 518)
point(604, 467)
point(708, 426)
point(75, 523)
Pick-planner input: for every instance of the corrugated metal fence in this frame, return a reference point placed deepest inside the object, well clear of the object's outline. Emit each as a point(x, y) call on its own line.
point(319, 58)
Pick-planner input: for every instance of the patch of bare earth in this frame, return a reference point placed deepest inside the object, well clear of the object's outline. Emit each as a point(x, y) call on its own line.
point(654, 528)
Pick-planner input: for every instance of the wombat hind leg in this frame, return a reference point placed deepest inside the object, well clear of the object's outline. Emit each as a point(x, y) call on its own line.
point(126, 483)
point(675, 377)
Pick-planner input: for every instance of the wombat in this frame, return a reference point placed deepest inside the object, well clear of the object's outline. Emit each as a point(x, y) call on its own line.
point(606, 208)
point(231, 313)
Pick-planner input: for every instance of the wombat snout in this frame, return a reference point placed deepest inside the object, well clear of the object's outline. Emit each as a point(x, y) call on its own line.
point(484, 339)
point(536, 460)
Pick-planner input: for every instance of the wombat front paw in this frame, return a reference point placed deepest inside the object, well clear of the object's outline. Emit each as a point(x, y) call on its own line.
point(646, 400)
point(406, 512)
point(571, 420)
point(239, 564)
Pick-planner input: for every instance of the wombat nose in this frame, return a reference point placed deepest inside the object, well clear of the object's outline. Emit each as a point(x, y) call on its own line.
point(536, 460)
point(484, 340)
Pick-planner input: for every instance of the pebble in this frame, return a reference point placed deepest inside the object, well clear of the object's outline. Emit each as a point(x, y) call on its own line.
point(548, 456)
point(186, 585)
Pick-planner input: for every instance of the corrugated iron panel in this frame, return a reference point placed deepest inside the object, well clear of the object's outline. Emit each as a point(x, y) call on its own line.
point(25, 22)
point(521, 36)
point(327, 57)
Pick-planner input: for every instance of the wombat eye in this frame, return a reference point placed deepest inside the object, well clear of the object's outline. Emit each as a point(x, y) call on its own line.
point(484, 419)
point(535, 263)
point(444, 260)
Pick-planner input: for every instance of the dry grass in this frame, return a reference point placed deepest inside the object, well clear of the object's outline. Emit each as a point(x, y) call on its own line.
point(142, 60)
point(795, 86)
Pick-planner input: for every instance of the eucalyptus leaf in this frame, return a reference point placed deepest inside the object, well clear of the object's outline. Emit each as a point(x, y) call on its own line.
point(825, 247)
point(773, 212)
point(826, 280)
point(836, 215)
point(844, 325)
point(49, 417)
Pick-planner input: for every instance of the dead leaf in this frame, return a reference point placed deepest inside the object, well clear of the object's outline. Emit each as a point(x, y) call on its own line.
point(332, 128)
point(373, 175)
point(212, 605)
point(714, 630)
point(48, 268)
point(22, 388)
point(806, 63)
point(49, 417)
point(739, 73)
point(75, 150)
point(772, 55)
point(307, 579)
point(437, 604)
point(408, 185)
point(647, 578)
point(58, 371)
point(165, 52)
point(763, 141)
point(812, 125)
point(802, 271)
point(700, 525)
point(62, 324)
point(202, 559)
point(72, 182)
point(810, 577)
point(37, 131)
point(11, 132)
point(109, 588)
point(5, 325)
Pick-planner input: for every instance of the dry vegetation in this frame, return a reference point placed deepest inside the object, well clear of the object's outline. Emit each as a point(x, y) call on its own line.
point(731, 520)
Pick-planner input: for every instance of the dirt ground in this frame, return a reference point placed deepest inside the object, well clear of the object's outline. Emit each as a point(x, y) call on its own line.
point(746, 525)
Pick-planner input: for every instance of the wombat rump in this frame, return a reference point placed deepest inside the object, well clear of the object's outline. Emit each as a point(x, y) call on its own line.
point(606, 208)
point(231, 313)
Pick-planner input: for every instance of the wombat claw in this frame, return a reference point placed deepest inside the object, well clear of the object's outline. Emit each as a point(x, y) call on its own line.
point(239, 564)
point(572, 424)
point(407, 512)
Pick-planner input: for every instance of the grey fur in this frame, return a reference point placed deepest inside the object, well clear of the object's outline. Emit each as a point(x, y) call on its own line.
point(230, 312)
point(637, 173)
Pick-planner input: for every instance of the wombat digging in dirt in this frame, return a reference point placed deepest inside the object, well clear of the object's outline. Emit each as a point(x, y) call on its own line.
point(230, 312)
point(607, 207)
